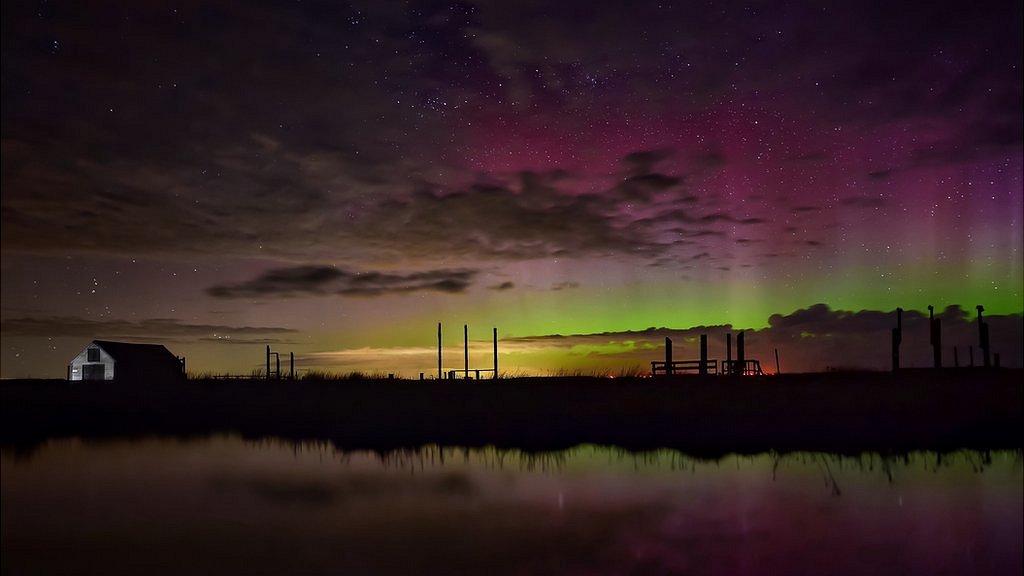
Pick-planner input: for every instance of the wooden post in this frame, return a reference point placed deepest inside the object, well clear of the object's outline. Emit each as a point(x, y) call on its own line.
point(983, 339)
point(897, 338)
point(702, 368)
point(935, 327)
point(291, 365)
point(777, 371)
point(495, 332)
point(728, 352)
point(268, 361)
point(465, 344)
point(440, 374)
point(741, 360)
point(668, 356)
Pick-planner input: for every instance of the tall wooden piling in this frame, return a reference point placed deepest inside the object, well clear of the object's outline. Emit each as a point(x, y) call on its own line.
point(668, 356)
point(741, 360)
point(291, 365)
point(465, 347)
point(268, 362)
point(897, 339)
point(703, 366)
point(440, 374)
point(728, 352)
point(935, 336)
point(495, 353)
point(983, 339)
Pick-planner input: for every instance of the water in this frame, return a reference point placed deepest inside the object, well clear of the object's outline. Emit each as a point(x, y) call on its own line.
point(228, 506)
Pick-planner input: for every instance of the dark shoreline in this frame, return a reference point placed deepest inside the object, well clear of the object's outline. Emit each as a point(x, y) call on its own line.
point(849, 412)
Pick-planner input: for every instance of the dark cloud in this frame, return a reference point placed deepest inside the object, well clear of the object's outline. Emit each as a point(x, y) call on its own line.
point(245, 134)
point(863, 202)
point(643, 161)
point(810, 339)
point(504, 286)
point(721, 217)
point(154, 329)
point(881, 174)
point(565, 286)
point(288, 211)
point(322, 280)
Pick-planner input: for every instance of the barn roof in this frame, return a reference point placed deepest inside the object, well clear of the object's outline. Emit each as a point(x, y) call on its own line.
point(143, 353)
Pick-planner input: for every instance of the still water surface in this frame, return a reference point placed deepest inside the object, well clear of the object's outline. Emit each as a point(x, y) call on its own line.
point(230, 506)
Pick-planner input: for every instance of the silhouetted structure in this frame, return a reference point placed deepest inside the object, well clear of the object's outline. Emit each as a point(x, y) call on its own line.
point(670, 366)
point(744, 366)
point(986, 358)
point(705, 366)
point(741, 361)
point(728, 352)
point(703, 369)
point(669, 369)
point(935, 329)
point(275, 374)
point(123, 361)
point(897, 339)
point(465, 367)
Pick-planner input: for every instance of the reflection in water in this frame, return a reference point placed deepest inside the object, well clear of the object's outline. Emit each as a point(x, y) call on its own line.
point(225, 505)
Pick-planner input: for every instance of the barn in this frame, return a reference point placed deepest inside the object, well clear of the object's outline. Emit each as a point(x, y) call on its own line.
point(121, 361)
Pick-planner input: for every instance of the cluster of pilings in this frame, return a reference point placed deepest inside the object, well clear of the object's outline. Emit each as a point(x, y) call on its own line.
point(704, 366)
point(935, 339)
point(276, 373)
point(466, 370)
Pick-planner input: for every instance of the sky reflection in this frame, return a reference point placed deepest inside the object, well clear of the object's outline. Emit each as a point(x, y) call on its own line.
point(225, 505)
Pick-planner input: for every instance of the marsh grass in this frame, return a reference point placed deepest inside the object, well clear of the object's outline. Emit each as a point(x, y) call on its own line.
point(843, 412)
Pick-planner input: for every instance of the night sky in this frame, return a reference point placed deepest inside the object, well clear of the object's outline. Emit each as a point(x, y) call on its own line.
point(588, 177)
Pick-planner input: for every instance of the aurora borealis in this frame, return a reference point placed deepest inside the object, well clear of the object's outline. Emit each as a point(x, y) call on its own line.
point(335, 179)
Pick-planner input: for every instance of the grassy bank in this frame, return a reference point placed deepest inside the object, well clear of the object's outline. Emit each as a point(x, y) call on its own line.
point(835, 412)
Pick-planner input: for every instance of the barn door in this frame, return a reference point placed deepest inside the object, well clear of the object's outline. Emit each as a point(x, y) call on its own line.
point(92, 372)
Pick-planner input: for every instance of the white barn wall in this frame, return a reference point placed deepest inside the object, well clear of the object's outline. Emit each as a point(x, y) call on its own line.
point(82, 359)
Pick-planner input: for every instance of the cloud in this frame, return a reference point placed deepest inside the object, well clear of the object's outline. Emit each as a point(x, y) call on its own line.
point(323, 280)
point(643, 161)
point(810, 339)
point(300, 205)
point(503, 286)
point(863, 202)
point(154, 329)
point(565, 286)
point(804, 209)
